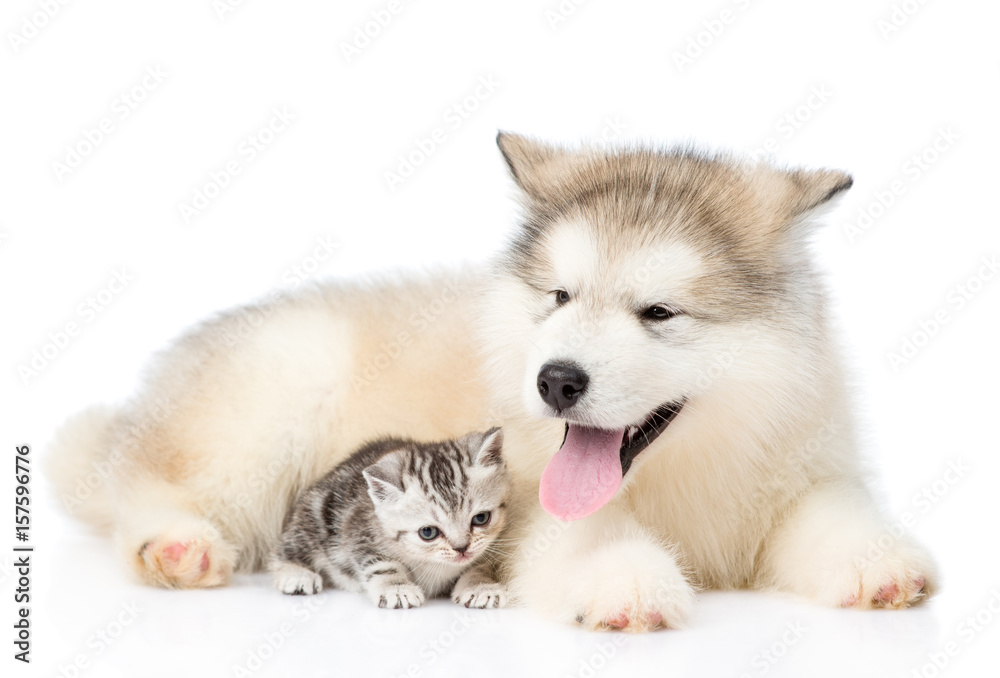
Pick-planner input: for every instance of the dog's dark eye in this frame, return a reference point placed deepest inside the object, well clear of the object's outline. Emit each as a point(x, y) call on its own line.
point(562, 297)
point(481, 518)
point(428, 533)
point(659, 312)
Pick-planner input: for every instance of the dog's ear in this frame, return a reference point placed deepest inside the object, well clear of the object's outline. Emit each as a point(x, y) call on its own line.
point(809, 189)
point(535, 166)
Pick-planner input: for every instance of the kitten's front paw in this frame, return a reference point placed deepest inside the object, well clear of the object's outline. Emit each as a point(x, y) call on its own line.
point(396, 596)
point(482, 595)
point(295, 580)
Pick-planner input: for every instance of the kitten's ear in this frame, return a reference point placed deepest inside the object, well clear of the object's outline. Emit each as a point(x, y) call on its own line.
point(488, 447)
point(385, 478)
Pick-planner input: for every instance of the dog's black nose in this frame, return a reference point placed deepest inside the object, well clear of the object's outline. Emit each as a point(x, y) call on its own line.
point(561, 385)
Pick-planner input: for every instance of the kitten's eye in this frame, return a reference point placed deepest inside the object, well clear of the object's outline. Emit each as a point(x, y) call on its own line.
point(562, 297)
point(481, 519)
point(428, 533)
point(659, 312)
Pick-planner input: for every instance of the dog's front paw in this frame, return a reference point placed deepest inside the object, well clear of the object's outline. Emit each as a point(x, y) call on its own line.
point(633, 586)
point(833, 549)
point(629, 584)
point(396, 596)
point(481, 595)
point(898, 577)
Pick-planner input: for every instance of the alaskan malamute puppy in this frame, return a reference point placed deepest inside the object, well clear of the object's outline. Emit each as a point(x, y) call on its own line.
point(654, 342)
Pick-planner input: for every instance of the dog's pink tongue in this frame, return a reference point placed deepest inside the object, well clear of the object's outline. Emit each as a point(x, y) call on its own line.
point(584, 474)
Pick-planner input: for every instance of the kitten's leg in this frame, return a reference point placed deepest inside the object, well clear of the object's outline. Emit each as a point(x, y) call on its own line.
point(168, 544)
point(606, 571)
point(388, 584)
point(293, 578)
point(477, 587)
point(835, 549)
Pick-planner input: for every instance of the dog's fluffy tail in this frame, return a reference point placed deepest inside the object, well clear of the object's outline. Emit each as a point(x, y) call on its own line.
point(79, 466)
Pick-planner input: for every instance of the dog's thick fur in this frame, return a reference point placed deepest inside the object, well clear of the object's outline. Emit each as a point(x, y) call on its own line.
point(756, 483)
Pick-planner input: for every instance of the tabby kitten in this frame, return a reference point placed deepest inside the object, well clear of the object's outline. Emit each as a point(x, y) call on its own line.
point(401, 521)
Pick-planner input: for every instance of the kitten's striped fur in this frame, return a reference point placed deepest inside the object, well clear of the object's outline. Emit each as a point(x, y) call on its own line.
point(358, 528)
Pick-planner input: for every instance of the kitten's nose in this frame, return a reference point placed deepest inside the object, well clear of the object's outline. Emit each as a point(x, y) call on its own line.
point(461, 549)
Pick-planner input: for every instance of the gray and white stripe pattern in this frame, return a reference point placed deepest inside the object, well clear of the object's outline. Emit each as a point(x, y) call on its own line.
point(400, 521)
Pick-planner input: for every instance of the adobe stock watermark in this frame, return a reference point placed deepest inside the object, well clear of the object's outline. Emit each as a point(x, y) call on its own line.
point(966, 631)
point(434, 649)
point(364, 34)
point(955, 300)
point(31, 25)
point(223, 8)
point(306, 269)
point(102, 639)
point(899, 15)
point(791, 471)
point(922, 502)
point(267, 646)
point(790, 122)
point(543, 539)
point(773, 653)
point(604, 651)
point(613, 127)
point(87, 311)
point(389, 350)
point(101, 469)
point(247, 151)
point(558, 14)
point(699, 42)
point(453, 118)
point(251, 318)
point(254, 490)
point(122, 106)
point(913, 169)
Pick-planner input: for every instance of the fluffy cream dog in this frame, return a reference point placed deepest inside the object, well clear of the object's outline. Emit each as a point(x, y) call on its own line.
point(654, 342)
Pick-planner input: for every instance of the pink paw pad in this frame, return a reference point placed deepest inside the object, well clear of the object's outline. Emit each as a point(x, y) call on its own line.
point(174, 552)
point(849, 601)
point(619, 621)
point(887, 593)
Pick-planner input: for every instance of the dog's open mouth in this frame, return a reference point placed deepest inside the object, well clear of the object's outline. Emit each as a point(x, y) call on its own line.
point(588, 469)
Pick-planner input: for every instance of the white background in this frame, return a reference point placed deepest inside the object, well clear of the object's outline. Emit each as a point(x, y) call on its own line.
point(606, 69)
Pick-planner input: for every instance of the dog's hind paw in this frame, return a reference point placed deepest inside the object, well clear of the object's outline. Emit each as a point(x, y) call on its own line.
point(185, 563)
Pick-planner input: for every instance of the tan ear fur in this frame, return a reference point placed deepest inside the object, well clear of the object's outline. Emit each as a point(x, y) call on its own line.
point(812, 188)
point(536, 167)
